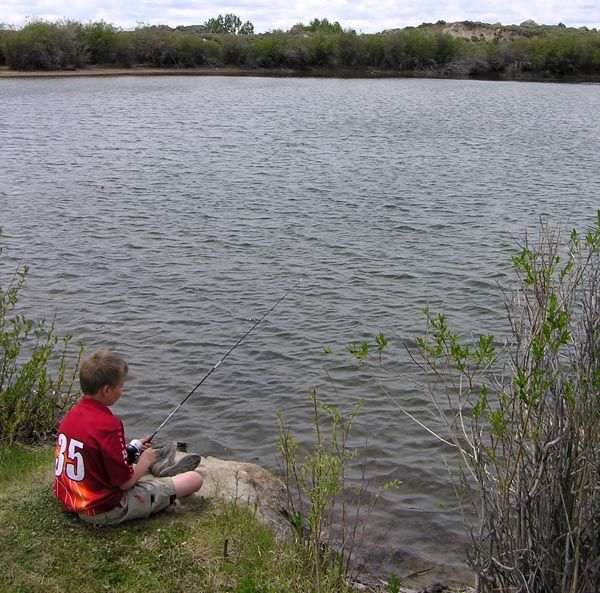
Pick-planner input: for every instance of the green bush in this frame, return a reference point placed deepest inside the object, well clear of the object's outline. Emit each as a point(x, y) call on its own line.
point(271, 49)
point(374, 50)
point(321, 50)
point(412, 49)
point(101, 39)
point(152, 46)
point(317, 485)
point(191, 52)
point(349, 54)
point(238, 50)
point(4, 35)
point(37, 370)
point(526, 420)
point(34, 47)
point(40, 45)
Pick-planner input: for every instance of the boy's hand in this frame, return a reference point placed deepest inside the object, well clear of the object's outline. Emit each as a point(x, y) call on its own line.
point(146, 442)
point(147, 458)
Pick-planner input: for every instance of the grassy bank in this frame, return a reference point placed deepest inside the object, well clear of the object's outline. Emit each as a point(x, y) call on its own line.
point(195, 546)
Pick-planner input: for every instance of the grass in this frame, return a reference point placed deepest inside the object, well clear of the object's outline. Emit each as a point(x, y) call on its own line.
point(195, 546)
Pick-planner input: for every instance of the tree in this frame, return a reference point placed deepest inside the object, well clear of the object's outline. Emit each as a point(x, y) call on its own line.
point(324, 26)
point(230, 24)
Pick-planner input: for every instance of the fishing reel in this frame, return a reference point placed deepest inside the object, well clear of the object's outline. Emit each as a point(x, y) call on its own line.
point(134, 449)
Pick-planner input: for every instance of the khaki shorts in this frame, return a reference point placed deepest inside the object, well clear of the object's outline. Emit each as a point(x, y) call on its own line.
point(142, 500)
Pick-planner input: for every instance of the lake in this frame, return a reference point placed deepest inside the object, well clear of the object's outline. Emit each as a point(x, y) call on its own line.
point(162, 216)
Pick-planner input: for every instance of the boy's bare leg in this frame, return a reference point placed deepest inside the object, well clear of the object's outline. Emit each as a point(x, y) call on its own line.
point(187, 483)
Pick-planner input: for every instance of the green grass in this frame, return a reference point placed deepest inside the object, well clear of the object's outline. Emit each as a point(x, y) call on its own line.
point(180, 550)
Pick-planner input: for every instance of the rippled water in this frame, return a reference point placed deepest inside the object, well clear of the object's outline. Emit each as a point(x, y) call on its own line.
point(162, 216)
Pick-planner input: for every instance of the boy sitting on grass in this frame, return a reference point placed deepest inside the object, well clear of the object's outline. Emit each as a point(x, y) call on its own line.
point(92, 475)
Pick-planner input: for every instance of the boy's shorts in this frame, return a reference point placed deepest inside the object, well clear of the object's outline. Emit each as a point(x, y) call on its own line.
point(143, 499)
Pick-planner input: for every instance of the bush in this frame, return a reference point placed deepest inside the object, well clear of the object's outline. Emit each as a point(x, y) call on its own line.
point(412, 49)
point(238, 50)
point(349, 49)
point(271, 50)
point(527, 424)
point(37, 371)
point(101, 39)
point(374, 50)
point(331, 528)
point(525, 421)
point(4, 35)
point(47, 46)
point(152, 46)
point(34, 47)
point(191, 52)
point(321, 50)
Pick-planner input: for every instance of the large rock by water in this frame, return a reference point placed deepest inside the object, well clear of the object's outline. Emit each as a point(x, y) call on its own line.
point(248, 484)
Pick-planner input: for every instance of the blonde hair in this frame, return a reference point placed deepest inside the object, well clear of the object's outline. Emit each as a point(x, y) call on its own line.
point(99, 369)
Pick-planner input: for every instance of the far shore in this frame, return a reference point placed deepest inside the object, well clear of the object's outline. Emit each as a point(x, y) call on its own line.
point(6, 72)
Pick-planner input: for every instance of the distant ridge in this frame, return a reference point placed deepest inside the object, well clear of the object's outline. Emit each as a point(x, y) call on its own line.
point(477, 31)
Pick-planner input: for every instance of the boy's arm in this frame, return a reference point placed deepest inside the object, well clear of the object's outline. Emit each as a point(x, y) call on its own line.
point(147, 458)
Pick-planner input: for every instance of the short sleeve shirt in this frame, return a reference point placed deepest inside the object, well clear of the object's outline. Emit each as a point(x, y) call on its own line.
point(91, 460)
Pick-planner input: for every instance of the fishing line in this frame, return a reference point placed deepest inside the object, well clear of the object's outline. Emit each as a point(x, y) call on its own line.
point(214, 368)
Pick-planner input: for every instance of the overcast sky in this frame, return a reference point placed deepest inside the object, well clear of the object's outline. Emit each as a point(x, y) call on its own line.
point(366, 16)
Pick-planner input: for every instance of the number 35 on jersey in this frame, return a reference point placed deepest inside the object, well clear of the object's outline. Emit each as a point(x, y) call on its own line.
point(69, 458)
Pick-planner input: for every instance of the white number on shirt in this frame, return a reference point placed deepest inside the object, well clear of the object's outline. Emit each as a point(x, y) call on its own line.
point(69, 458)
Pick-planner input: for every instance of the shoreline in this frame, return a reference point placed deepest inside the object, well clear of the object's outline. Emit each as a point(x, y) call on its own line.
point(92, 71)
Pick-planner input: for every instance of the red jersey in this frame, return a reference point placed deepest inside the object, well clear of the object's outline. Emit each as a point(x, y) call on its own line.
point(91, 461)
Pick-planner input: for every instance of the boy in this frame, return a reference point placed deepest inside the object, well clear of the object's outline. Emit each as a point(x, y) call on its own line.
point(92, 475)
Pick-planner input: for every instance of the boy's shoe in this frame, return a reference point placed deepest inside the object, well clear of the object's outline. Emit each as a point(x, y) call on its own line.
point(185, 464)
point(165, 457)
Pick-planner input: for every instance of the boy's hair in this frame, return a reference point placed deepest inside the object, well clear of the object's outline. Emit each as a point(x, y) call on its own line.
point(99, 369)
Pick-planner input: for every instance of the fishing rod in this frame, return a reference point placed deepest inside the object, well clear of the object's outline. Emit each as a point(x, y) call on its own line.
point(135, 447)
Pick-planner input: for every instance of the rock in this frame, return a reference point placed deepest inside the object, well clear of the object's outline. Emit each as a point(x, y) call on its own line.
point(248, 484)
point(528, 23)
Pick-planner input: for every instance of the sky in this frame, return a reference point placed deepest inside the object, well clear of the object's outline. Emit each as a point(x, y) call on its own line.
point(364, 16)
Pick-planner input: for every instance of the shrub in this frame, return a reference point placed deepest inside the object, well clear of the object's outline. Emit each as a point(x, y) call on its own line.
point(374, 50)
point(271, 50)
point(101, 39)
point(238, 50)
point(5, 33)
point(527, 424)
point(152, 46)
point(37, 371)
point(190, 51)
point(525, 420)
point(321, 50)
point(47, 46)
point(348, 49)
point(411, 49)
point(332, 529)
point(34, 47)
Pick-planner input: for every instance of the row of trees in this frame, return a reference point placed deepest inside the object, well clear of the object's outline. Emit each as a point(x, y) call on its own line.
point(321, 44)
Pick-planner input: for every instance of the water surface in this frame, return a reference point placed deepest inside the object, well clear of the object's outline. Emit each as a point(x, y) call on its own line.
point(162, 216)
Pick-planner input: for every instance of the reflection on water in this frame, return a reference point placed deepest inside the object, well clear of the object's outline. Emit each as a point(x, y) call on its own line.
point(162, 216)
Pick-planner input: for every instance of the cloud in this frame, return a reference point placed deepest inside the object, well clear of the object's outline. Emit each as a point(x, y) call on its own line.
point(363, 15)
